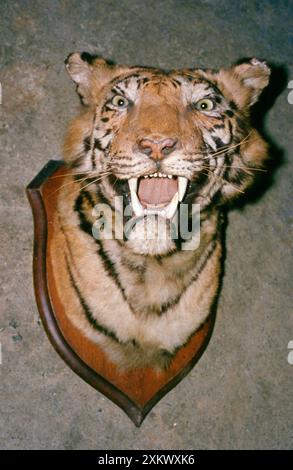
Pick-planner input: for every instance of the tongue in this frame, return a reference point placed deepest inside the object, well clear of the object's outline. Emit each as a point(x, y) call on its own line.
point(155, 191)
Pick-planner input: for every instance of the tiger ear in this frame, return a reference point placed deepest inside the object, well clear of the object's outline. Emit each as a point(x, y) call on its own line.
point(90, 73)
point(254, 77)
point(244, 82)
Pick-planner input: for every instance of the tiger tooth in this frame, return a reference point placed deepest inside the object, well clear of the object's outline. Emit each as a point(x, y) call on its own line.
point(132, 182)
point(182, 185)
point(172, 206)
point(136, 205)
point(169, 176)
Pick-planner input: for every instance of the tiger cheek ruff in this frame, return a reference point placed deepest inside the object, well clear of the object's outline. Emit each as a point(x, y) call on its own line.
point(149, 144)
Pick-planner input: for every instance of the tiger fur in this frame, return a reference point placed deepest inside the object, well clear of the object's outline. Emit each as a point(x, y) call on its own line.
point(141, 300)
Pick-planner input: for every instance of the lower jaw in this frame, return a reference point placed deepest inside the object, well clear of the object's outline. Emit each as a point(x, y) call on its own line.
point(163, 210)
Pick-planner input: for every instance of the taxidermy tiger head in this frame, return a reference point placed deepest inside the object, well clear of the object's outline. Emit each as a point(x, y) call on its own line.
point(160, 139)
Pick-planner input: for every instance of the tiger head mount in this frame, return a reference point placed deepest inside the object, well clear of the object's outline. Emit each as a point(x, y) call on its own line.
point(152, 149)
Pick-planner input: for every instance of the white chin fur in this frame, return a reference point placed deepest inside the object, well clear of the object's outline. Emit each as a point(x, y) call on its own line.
point(151, 236)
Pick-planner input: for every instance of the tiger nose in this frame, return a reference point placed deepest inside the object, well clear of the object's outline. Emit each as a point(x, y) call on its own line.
point(157, 149)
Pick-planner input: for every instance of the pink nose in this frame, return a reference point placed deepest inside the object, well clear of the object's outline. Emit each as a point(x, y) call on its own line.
point(157, 149)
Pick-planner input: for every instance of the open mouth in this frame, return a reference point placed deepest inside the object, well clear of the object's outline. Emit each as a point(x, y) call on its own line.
point(157, 194)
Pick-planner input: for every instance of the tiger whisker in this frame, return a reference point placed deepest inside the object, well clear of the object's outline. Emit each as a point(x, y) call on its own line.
point(227, 148)
point(79, 180)
point(94, 181)
point(115, 181)
point(241, 168)
point(67, 184)
point(246, 168)
point(76, 174)
point(225, 181)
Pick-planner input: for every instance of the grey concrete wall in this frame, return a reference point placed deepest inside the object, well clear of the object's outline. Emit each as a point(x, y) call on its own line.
point(240, 393)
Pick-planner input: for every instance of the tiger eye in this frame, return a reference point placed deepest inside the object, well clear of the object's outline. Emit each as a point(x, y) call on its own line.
point(205, 104)
point(119, 101)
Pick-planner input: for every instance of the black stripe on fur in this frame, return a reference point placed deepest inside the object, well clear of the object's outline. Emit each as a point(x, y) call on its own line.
point(171, 303)
point(87, 311)
point(86, 226)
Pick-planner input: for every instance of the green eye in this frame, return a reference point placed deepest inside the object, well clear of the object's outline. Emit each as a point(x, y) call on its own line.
point(120, 102)
point(205, 104)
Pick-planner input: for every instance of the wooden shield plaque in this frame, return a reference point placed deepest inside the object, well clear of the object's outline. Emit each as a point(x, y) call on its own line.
point(137, 391)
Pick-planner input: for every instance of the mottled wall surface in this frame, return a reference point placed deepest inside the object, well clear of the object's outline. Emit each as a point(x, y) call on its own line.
point(240, 393)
